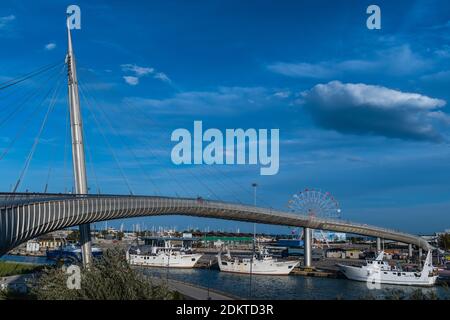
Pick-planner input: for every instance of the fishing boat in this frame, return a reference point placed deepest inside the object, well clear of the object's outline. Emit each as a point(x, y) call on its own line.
point(379, 271)
point(70, 251)
point(165, 256)
point(261, 263)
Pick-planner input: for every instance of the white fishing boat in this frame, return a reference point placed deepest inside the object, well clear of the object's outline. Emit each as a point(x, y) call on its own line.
point(70, 251)
point(379, 271)
point(167, 256)
point(262, 263)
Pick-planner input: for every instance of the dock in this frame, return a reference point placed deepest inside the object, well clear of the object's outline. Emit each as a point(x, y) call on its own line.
point(194, 292)
point(312, 272)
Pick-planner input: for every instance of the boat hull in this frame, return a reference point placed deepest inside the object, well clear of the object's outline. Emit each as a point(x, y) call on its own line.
point(387, 277)
point(260, 268)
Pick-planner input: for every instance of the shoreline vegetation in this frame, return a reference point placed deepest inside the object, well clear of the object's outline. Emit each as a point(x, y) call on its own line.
point(12, 268)
point(108, 278)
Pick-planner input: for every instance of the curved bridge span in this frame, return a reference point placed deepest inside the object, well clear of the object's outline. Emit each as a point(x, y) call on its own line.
point(26, 216)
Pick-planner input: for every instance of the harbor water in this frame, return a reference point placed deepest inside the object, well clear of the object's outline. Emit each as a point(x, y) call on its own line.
point(267, 287)
point(27, 259)
point(286, 287)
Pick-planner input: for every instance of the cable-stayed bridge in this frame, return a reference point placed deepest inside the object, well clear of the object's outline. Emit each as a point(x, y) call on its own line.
point(24, 216)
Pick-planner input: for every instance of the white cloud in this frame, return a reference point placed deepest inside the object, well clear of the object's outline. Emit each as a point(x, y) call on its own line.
point(443, 52)
point(441, 116)
point(50, 46)
point(371, 96)
point(302, 70)
point(132, 81)
point(4, 21)
point(162, 76)
point(137, 70)
point(438, 76)
point(226, 100)
point(399, 61)
point(368, 109)
point(282, 94)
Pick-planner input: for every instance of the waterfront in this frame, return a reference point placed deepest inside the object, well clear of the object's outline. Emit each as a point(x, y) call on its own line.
point(266, 287)
point(285, 287)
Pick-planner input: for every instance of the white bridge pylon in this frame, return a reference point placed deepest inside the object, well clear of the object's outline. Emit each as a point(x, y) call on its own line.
point(26, 216)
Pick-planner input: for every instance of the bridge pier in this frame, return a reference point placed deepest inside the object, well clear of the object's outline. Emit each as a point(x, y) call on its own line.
point(378, 244)
point(78, 155)
point(410, 250)
point(85, 242)
point(307, 246)
point(420, 255)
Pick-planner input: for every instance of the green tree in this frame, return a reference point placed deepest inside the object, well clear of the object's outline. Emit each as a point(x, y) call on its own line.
point(444, 241)
point(108, 278)
point(417, 294)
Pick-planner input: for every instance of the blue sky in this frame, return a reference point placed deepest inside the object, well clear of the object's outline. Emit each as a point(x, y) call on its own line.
point(362, 113)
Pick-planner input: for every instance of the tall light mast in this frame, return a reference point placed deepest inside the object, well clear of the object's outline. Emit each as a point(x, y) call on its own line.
point(78, 157)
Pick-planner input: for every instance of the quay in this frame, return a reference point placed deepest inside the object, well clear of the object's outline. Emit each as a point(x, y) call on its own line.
point(191, 292)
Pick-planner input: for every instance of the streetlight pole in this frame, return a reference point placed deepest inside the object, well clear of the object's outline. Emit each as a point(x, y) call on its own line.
point(254, 185)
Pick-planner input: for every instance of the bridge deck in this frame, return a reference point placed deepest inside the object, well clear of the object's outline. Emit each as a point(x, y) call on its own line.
point(26, 216)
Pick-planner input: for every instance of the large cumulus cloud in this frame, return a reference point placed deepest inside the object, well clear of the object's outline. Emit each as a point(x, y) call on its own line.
point(368, 109)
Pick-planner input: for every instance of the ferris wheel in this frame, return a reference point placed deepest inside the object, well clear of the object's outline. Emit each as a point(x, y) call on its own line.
point(315, 203)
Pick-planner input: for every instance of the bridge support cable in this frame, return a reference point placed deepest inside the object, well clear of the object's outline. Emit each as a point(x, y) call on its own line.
point(111, 150)
point(68, 184)
point(22, 129)
point(207, 172)
point(172, 178)
point(37, 138)
point(127, 146)
point(48, 179)
point(52, 157)
point(223, 183)
point(190, 172)
point(90, 161)
point(23, 102)
point(29, 75)
point(17, 92)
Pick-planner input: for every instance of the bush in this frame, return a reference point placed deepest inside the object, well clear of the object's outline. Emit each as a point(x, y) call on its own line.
point(417, 294)
point(444, 241)
point(108, 278)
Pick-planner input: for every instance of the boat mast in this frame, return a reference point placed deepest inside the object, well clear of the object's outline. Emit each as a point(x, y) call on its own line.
point(78, 156)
